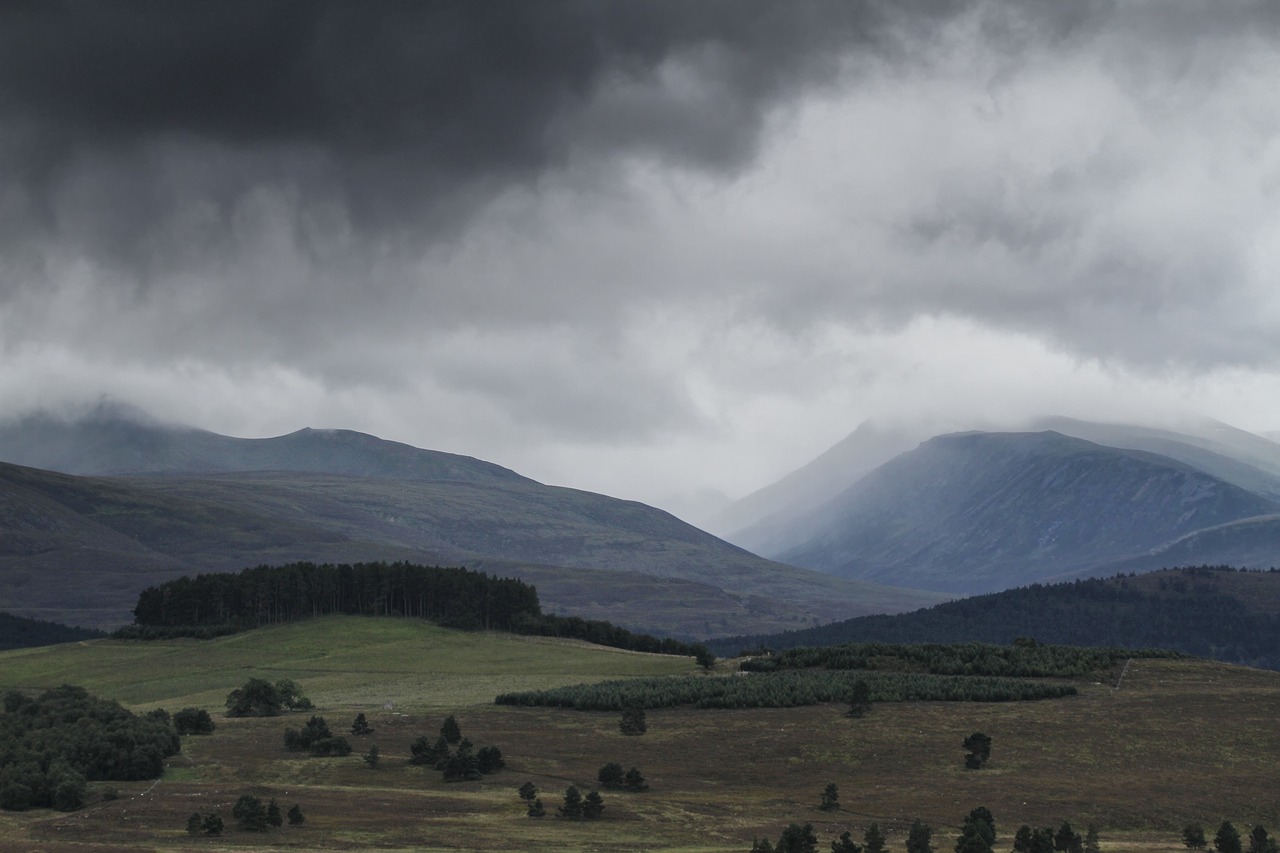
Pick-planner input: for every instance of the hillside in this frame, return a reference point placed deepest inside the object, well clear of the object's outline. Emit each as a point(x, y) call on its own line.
point(113, 439)
point(1233, 616)
point(717, 779)
point(78, 550)
point(17, 632)
point(976, 512)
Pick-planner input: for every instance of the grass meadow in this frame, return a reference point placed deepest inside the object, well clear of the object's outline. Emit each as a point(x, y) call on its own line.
point(1179, 741)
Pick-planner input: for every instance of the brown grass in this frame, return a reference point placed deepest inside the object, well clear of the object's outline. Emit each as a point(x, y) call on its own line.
point(1179, 742)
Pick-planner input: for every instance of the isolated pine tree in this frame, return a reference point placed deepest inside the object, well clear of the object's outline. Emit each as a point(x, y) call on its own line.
point(489, 759)
point(611, 775)
point(979, 747)
point(450, 731)
point(830, 798)
point(634, 780)
point(1228, 839)
point(918, 840)
point(572, 807)
point(193, 824)
point(360, 726)
point(249, 813)
point(296, 817)
point(1260, 842)
point(1067, 840)
point(873, 838)
point(797, 839)
point(371, 757)
point(978, 833)
point(1193, 836)
point(632, 722)
point(592, 805)
point(273, 813)
point(533, 806)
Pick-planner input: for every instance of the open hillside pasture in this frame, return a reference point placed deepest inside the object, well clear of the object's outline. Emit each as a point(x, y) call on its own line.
point(1177, 741)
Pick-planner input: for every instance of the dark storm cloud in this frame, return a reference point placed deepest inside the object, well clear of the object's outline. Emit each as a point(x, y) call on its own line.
point(402, 115)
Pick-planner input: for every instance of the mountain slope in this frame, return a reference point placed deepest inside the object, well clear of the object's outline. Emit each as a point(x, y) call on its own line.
point(976, 512)
point(1250, 543)
point(753, 520)
point(80, 549)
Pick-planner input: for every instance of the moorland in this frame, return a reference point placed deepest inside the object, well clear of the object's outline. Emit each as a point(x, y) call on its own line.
point(1138, 751)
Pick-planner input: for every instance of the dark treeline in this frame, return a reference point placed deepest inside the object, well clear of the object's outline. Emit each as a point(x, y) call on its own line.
point(1023, 659)
point(602, 634)
point(455, 597)
point(19, 632)
point(212, 605)
point(1185, 612)
point(52, 744)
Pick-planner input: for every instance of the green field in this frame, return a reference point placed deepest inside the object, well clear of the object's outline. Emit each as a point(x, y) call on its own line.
point(1178, 741)
point(339, 662)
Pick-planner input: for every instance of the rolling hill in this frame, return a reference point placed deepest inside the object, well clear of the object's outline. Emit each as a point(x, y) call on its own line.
point(1214, 612)
point(977, 512)
point(79, 549)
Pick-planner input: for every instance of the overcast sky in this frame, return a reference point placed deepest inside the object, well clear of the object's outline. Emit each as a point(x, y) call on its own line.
point(653, 249)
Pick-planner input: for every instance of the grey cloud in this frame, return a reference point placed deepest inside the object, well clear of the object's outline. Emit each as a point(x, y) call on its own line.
point(331, 187)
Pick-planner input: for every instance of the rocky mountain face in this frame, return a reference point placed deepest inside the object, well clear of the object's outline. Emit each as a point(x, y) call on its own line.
point(977, 512)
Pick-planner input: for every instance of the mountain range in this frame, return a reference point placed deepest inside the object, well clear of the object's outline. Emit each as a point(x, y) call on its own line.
point(94, 510)
point(981, 511)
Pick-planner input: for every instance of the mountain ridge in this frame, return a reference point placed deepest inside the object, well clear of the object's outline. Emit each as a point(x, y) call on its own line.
point(975, 512)
point(111, 443)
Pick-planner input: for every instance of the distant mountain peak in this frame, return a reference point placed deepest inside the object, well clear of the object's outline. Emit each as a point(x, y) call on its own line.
point(112, 438)
point(976, 511)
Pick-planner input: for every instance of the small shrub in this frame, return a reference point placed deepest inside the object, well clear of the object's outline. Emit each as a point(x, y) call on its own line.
point(193, 721)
